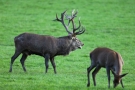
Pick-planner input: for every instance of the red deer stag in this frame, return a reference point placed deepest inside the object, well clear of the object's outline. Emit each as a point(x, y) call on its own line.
point(109, 59)
point(48, 46)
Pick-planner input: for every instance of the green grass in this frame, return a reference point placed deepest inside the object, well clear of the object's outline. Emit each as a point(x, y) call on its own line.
point(108, 23)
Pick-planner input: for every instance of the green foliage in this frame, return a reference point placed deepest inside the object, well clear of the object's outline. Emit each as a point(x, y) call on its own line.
point(108, 23)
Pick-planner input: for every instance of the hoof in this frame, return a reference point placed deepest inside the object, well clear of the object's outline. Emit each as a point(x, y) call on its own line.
point(88, 85)
point(10, 70)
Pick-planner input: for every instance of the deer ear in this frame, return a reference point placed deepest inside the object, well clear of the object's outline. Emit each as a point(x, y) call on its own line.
point(123, 75)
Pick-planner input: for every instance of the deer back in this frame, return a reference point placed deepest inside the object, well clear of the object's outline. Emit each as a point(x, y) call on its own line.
point(36, 43)
point(106, 57)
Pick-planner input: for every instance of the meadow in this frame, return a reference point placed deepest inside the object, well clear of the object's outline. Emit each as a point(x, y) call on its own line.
point(108, 23)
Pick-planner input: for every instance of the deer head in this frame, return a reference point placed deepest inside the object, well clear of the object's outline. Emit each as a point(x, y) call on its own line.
point(118, 79)
point(75, 30)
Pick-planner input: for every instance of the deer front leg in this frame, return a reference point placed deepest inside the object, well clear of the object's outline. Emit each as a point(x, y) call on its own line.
point(108, 74)
point(22, 60)
point(121, 83)
point(47, 57)
point(53, 64)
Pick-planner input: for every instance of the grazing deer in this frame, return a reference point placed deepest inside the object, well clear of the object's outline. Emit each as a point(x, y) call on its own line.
point(109, 59)
point(48, 46)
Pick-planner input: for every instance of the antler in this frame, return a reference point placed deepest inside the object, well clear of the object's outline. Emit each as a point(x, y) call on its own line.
point(62, 21)
point(71, 19)
point(81, 31)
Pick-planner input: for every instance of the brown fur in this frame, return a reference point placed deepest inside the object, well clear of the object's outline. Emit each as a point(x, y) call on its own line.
point(109, 59)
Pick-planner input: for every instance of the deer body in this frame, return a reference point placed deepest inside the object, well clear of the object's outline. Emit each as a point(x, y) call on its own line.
point(47, 46)
point(43, 44)
point(109, 59)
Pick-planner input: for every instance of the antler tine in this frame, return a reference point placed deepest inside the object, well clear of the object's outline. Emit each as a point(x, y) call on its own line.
point(63, 14)
point(74, 14)
point(74, 29)
point(62, 17)
point(57, 18)
point(81, 31)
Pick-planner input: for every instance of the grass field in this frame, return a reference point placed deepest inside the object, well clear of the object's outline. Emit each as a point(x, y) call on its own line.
point(108, 23)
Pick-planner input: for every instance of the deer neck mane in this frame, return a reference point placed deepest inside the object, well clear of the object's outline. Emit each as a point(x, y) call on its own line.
point(64, 45)
point(118, 65)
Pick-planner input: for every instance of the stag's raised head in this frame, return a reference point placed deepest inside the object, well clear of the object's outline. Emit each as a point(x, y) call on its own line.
point(76, 43)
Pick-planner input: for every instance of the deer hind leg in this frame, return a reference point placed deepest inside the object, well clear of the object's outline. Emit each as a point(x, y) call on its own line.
point(53, 64)
point(108, 75)
point(94, 73)
point(22, 60)
point(47, 57)
point(88, 73)
point(13, 59)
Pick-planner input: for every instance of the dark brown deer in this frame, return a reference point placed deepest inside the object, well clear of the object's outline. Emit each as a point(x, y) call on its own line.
point(48, 46)
point(109, 59)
